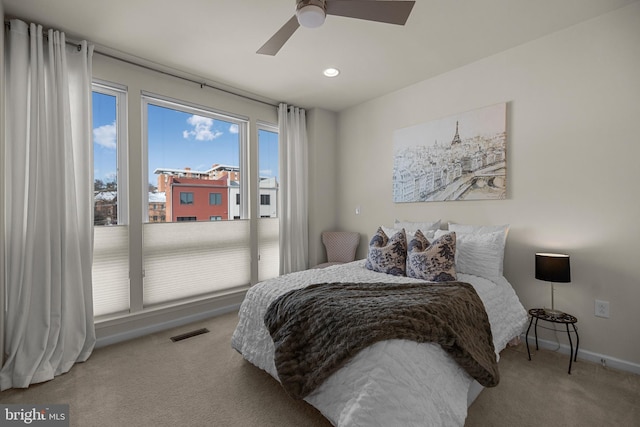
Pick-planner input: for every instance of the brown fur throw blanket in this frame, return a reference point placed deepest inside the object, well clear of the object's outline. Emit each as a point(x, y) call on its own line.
point(317, 329)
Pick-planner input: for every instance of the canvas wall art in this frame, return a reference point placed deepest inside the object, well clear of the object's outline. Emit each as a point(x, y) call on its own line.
point(460, 157)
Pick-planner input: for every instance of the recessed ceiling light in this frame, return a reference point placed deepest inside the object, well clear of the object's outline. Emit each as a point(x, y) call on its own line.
point(331, 72)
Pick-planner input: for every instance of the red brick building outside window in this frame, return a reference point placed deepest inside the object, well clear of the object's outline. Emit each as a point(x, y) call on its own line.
point(192, 199)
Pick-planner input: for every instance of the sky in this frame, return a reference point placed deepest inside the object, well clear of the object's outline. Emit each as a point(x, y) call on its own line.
point(104, 137)
point(176, 140)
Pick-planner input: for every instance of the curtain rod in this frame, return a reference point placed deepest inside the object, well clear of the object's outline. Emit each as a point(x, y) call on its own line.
point(7, 24)
point(201, 84)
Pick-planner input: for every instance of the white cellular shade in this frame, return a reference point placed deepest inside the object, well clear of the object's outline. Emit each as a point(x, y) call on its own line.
point(269, 248)
point(110, 270)
point(189, 259)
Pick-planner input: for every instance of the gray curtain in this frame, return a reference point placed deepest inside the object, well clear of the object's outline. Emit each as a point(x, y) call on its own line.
point(48, 205)
point(294, 230)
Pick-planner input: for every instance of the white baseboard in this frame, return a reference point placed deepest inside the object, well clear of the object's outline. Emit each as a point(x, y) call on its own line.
point(144, 323)
point(590, 356)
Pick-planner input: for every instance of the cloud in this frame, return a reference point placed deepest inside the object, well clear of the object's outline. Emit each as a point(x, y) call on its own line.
point(233, 128)
point(106, 136)
point(201, 129)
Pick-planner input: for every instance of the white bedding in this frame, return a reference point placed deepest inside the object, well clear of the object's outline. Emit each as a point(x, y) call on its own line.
point(395, 382)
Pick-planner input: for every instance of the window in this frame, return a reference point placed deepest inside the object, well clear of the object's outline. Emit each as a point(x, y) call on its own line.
point(268, 224)
point(110, 268)
point(186, 198)
point(268, 170)
point(109, 148)
point(193, 158)
point(193, 151)
point(182, 252)
point(216, 199)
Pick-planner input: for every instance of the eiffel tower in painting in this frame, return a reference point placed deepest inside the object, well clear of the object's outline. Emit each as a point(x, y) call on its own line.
point(456, 139)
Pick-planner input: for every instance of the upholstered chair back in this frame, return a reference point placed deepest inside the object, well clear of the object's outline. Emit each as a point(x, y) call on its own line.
point(341, 247)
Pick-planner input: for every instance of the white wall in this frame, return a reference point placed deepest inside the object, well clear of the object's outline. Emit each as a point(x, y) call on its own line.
point(323, 183)
point(573, 158)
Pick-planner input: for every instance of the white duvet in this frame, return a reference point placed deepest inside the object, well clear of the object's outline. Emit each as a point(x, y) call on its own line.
point(391, 383)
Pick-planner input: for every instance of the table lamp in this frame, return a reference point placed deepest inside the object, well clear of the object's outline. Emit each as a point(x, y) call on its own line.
point(553, 268)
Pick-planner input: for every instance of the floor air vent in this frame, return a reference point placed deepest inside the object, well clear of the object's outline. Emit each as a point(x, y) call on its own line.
point(189, 334)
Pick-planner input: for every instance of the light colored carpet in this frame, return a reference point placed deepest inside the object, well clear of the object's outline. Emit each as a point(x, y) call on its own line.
point(540, 392)
point(202, 381)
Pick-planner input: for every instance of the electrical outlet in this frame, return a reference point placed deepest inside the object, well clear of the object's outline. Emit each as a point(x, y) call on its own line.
point(602, 309)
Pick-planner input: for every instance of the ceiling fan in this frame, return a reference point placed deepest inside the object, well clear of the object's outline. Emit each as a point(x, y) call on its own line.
point(311, 14)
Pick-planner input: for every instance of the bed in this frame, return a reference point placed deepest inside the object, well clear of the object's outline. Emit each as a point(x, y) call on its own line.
point(394, 381)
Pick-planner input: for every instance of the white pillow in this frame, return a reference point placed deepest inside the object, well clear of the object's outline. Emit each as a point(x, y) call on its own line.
point(412, 227)
point(484, 229)
point(480, 254)
point(466, 228)
point(390, 231)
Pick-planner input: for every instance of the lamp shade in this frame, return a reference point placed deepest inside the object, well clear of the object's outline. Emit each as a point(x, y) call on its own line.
point(553, 268)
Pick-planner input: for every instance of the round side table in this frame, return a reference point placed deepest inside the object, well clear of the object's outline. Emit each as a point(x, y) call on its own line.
point(559, 318)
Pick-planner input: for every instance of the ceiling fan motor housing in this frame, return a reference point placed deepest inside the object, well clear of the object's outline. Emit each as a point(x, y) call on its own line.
point(311, 13)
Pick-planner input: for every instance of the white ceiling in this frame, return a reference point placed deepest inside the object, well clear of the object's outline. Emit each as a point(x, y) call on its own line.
point(216, 40)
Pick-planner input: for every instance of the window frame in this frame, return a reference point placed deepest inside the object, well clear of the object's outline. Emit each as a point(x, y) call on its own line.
point(191, 108)
point(268, 127)
point(218, 199)
point(117, 237)
point(188, 198)
point(133, 196)
point(122, 178)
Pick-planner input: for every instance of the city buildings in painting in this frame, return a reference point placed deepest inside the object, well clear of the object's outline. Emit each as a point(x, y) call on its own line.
point(462, 157)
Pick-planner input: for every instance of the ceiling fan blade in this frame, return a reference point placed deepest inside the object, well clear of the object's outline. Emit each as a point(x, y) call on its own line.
point(390, 12)
point(275, 43)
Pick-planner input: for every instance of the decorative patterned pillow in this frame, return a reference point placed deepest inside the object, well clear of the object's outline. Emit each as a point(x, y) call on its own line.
point(434, 261)
point(388, 255)
point(429, 234)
